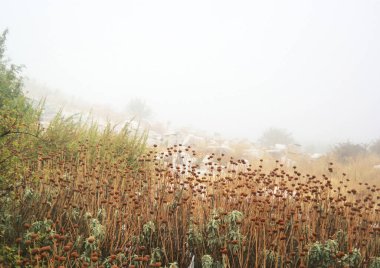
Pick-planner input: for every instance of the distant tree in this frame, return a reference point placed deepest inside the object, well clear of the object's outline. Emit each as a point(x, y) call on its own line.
point(375, 147)
point(274, 136)
point(138, 109)
point(347, 150)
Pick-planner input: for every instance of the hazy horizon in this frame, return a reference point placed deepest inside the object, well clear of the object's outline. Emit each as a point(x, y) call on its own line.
point(236, 69)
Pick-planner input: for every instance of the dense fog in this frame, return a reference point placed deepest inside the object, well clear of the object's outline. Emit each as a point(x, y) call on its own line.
point(233, 68)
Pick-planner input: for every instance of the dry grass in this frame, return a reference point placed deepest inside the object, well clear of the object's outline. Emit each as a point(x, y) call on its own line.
point(76, 211)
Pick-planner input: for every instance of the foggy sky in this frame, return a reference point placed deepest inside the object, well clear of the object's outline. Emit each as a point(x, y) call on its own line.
point(233, 67)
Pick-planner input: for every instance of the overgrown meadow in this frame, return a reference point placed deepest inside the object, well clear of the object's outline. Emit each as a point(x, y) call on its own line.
point(76, 195)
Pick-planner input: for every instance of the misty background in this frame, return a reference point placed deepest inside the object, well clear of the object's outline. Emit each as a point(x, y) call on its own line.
point(231, 67)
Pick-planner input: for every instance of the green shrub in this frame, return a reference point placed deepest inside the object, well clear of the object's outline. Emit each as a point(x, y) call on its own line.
point(322, 254)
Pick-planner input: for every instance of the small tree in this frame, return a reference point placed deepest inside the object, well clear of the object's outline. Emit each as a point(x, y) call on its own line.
point(19, 120)
point(375, 147)
point(347, 150)
point(138, 109)
point(274, 136)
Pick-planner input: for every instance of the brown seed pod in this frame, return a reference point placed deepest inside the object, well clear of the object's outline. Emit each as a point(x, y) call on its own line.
point(91, 239)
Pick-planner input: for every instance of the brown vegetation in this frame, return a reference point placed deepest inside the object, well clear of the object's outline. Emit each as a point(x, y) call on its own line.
point(75, 211)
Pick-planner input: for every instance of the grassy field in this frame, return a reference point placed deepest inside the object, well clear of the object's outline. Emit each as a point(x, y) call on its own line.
point(92, 207)
point(73, 194)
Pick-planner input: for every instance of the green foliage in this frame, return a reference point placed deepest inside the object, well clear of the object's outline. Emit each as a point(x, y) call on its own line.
point(8, 256)
point(213, 239)
point(108, 143)
point(322, 255)
point(341, 238)
point(271, 258)
point(148, 231)
point(97, 229)
point(10, 80)
point(234, 219)
point(194, 238)
point(375, 263)
point(44, 229)
point(19, 122)
point(353, 259)
point(156, 255)
point(207, 261)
